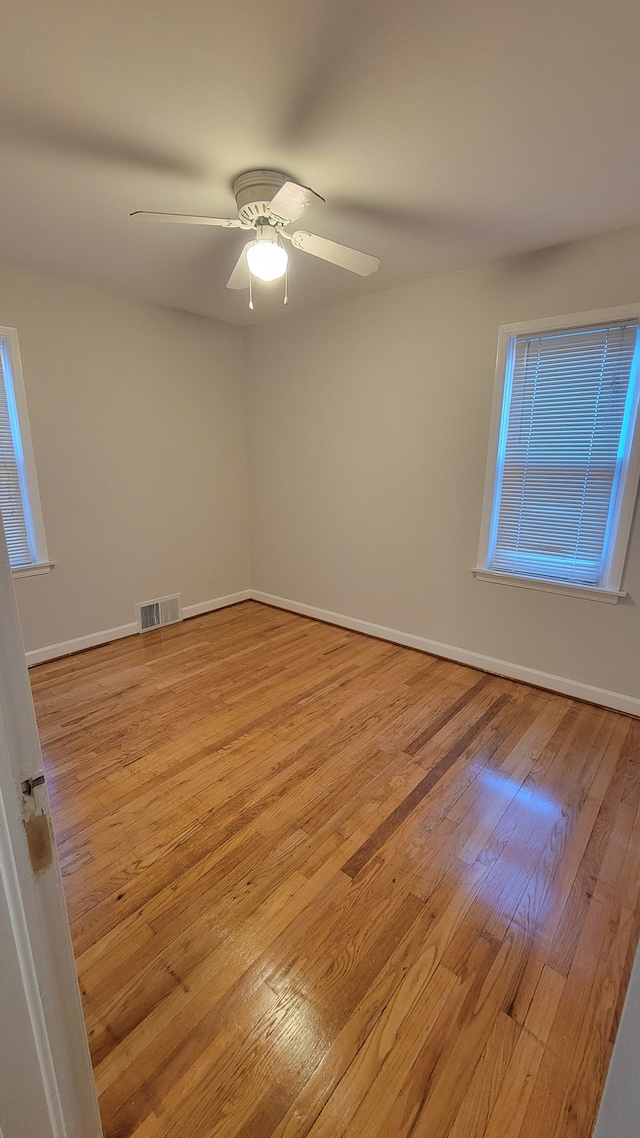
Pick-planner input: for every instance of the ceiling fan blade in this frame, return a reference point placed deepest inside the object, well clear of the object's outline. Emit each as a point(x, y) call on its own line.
point(189, 219)
point(240, 276)
point(352, 259)
point(291, 201)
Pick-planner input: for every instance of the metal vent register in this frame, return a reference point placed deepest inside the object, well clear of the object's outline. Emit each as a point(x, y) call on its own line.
point(154, 614)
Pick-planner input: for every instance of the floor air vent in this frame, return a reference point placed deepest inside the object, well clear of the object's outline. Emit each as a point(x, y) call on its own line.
point(154, 614)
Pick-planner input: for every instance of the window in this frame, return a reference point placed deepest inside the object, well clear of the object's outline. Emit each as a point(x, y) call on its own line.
point(19, 498)
point(564, 455)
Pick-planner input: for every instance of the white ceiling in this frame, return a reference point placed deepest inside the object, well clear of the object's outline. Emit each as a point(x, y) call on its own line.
point(442, 133)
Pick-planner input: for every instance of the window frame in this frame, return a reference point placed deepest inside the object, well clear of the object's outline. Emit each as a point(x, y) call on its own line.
point(23, 450)
point(610, 591)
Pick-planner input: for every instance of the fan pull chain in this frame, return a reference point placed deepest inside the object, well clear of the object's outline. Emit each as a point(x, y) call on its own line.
point(251, 291)
point(286, 286)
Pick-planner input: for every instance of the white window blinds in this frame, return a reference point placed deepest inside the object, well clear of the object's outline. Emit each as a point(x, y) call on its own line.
point(562, 449)
point(12, 494)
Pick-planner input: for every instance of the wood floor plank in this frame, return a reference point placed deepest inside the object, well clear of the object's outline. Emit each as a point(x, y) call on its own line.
point(488, 1078)
point(384, 831)
point(322, 885)
point(407, 1020)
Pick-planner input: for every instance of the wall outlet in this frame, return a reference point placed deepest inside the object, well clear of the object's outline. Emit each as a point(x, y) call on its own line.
point(211, 573)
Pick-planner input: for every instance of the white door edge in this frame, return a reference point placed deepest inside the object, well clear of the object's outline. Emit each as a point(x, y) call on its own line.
point(43, 1047)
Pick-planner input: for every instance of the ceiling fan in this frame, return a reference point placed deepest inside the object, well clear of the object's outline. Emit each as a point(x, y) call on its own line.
point(267, 202)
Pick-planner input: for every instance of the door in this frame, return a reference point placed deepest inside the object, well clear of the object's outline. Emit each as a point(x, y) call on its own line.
point(46, 1084)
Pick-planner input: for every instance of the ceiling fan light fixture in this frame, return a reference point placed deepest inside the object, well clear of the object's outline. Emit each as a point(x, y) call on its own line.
point(267, 202)
point(266, 258)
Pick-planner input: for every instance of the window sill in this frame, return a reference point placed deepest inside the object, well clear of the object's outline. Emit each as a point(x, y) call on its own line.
point(33, 570)
point(609, 596)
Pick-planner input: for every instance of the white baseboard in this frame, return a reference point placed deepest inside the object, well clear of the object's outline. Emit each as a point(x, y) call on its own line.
point(92, 639)
point(218, 603)
point(79, 643)
point(565, 686)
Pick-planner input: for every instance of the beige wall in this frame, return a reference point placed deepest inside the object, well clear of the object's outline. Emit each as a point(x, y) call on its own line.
point(138, 428)
point(367, 438)
point(367, 426)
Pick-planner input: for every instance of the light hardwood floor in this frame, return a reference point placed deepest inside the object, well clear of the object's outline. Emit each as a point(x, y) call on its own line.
point(323, 885)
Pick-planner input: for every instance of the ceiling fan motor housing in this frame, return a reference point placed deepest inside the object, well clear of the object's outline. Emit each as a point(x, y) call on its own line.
point(254, 190)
